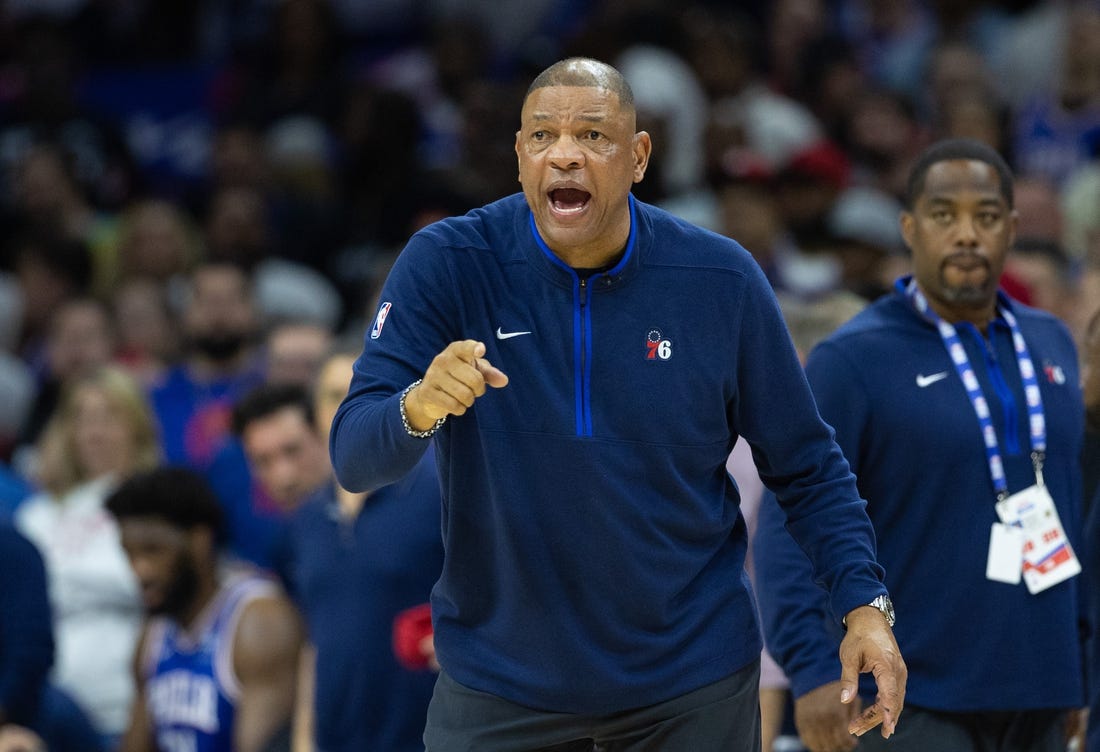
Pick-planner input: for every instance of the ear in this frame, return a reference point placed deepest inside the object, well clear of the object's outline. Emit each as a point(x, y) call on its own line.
point(518, 170)
point(642, 148)
point(1013, 224)
point(907, 223)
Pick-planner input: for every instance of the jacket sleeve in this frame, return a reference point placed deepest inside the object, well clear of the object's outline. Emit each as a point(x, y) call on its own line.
point(415, 322)
point(798, 629)
point(798, 458)
point(26, 629)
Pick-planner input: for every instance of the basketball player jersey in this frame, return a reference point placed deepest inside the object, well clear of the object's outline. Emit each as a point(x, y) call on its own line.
point(191, 689)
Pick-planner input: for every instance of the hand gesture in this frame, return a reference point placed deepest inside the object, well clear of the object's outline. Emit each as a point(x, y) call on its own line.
point(455, 378)
point(869, 647)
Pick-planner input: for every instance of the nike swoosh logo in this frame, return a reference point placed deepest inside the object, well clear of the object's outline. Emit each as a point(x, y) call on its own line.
point(509, 335)
point(923, 381)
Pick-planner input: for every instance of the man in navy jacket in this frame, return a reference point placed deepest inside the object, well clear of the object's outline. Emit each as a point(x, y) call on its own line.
point(593, 592)
point(960, 412)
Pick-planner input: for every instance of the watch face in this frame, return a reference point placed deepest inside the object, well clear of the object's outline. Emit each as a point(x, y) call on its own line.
point(886, 606)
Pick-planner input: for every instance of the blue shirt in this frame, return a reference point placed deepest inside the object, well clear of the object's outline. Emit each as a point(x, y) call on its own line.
point(191, 689)
point(913, 440)
point(594, 545)
point(195, 416)
point(350, 578)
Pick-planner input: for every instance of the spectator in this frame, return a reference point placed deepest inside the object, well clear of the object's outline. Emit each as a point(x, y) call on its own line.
point(285, 453)
point(102, 432)
point(294, 351)
point(156, 241)
point(255, 517)
point(217, 662)
point(1058, 130)
point(220, 326)
point(49, 269)
point(147, 329)
point(79, 340)
point(353, 563)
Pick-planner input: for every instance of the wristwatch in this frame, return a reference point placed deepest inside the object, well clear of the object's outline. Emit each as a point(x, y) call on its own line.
point(885, 607)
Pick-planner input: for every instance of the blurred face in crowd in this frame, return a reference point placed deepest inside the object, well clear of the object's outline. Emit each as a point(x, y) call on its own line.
point(104, 440)
point(156, 241)
point(220, 319)
point(578, 158)
point(81, 339)
point(288, 456)
point(165, 563)
point(960, 230)
point(332, 386)
point(295, 353)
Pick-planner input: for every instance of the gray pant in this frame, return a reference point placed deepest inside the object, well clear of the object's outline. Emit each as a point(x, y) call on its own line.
point(724, 716)
point(920, 730)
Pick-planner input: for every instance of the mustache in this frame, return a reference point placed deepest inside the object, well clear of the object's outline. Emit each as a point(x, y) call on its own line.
point(965, 258)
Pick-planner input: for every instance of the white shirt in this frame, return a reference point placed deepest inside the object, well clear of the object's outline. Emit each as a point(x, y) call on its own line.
point(97, 610)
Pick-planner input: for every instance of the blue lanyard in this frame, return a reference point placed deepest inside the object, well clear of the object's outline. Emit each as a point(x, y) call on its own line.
point(1036, 419)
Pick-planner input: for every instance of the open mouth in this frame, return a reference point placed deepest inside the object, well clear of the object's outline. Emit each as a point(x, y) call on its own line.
point(569, 200)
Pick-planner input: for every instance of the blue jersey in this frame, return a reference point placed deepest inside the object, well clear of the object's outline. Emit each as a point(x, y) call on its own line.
point(191, 689)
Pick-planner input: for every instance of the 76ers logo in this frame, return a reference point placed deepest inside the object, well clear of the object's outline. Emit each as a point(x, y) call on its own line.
point(657, 347)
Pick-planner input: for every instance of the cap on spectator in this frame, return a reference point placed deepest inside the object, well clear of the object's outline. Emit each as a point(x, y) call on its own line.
point(868, 216)
point(823, 162)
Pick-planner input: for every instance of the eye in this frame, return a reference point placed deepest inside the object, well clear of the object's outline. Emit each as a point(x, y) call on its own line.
point(593, 135)
point(989, 218)
point(941, 216)
point(538, 135)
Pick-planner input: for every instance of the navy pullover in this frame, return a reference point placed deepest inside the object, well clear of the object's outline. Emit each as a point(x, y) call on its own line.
point(594, 544)
point(913, 441)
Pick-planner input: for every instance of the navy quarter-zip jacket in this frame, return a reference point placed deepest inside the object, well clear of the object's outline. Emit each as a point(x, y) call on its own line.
point(594, 546)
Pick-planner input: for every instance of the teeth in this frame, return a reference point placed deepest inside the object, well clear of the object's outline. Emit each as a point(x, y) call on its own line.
point(568, 209)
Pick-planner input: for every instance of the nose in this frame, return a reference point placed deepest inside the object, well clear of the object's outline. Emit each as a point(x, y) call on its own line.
point(966, 232)
point(566, 153)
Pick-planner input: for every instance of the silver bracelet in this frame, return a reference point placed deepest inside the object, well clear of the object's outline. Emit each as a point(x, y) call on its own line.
point(405, 418)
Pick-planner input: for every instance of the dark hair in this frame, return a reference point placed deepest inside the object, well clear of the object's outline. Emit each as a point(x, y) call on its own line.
point(176, 495)
point(952, 149)
point(268, 399)
point(585, 71)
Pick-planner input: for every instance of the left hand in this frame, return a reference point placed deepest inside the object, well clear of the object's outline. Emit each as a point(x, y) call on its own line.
point(870, 647)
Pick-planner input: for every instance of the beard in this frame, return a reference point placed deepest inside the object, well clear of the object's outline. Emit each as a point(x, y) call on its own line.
point(221, 346)
point(182, 589)
point(971, 294)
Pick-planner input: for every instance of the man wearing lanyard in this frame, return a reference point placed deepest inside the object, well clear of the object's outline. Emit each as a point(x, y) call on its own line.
point(960, 412)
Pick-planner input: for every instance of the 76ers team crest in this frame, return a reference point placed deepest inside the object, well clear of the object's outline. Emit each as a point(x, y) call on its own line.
point(380, 320)
point(657, 347)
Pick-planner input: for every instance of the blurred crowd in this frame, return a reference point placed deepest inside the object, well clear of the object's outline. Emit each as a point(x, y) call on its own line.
point(205, 196)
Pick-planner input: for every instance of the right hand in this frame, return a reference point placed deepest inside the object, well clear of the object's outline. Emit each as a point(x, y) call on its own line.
point(822, 720)
point(455, 378)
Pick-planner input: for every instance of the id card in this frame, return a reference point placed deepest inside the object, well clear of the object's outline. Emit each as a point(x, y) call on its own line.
point(1048, 558)
point(1006, 553)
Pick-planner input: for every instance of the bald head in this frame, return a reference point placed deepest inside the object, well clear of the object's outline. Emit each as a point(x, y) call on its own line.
point(585, 71)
